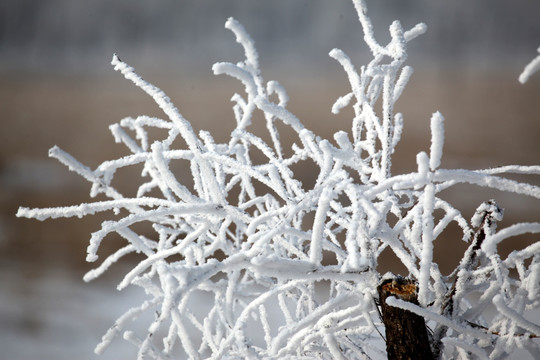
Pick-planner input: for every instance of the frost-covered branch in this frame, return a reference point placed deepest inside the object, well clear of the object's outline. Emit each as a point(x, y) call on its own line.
point(530, 69)
point(289, 271)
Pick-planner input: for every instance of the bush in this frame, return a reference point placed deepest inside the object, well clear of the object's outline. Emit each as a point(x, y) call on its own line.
point(290, 271)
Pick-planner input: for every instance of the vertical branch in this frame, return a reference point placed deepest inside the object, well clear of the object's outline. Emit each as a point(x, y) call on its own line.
point(387, 124)
point(437, 140)
point(484, 220)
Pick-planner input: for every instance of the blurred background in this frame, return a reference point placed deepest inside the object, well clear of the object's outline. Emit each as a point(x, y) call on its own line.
point(57, 88)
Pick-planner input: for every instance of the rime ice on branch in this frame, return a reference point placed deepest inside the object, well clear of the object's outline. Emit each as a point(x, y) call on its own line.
point(252, 240)
point(530, 69)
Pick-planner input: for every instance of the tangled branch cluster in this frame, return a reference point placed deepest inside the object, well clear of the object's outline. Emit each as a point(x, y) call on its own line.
point(290, 271)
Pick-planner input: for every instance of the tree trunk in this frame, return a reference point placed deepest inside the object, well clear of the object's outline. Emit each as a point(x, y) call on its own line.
point(406, 332)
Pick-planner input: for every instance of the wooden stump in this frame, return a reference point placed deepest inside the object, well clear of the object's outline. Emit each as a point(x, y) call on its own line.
point(406, 332)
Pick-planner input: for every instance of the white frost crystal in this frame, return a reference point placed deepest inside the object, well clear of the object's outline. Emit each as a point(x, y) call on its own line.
point(253, 241)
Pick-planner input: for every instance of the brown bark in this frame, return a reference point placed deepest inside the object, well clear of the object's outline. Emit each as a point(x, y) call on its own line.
point(406, 332)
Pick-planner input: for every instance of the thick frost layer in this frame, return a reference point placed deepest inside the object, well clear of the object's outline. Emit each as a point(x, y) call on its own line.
point(255, 243)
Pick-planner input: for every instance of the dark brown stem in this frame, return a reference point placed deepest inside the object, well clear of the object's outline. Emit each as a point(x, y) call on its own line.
point(530, 336)
point(489, 212)
point(406, 332)
point(470, 256)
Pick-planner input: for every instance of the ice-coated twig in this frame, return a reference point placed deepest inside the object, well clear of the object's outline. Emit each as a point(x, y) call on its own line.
point(530, 69)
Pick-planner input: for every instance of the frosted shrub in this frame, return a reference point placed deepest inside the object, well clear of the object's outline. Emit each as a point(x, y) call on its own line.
point(286, 271)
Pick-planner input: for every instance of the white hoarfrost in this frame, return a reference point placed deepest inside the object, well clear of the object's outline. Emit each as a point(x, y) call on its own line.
point(290, 272)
